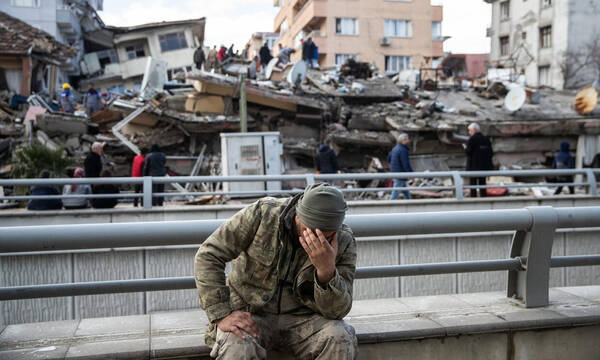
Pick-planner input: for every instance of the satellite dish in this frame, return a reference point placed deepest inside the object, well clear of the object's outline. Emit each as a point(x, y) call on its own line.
point(270, 67)
point(586, 100)
point(298, 70)
point(515, 99)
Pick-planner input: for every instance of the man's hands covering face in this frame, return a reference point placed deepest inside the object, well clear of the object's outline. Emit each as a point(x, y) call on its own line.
point(320, 252)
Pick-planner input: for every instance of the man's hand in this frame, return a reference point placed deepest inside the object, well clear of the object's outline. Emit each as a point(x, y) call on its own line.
point(321, 253)
point(237, 321)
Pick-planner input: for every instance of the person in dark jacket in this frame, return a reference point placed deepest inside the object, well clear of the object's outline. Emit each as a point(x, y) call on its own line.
point(479, 157)
point(155, 166)
point(400, 162)
point(265, 55)
point(564, 160)
point(326, 159)
point(93, 162)
point(199, 57)
point(308, 52)
point(44, 204)
point(105, 203)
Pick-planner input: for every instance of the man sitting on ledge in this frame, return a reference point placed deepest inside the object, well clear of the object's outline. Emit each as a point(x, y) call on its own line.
point(291, 281)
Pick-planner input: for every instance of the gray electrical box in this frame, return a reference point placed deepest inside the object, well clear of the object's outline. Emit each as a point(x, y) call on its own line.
point(253, 153)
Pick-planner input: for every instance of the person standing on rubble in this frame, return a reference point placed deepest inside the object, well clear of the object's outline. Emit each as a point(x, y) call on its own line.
point(212, 58)
point(564, 160)
point(91, 100)
point(291, 281)
point(265, 55)
point(199, 57)
point(222, 54)
point(308, 52)
point(400, 162)
point(66, 100)
point(94, 163)
point(230, 52)
point(327, 162)
point(137, 169)
point(479, 157)
point(155, 166)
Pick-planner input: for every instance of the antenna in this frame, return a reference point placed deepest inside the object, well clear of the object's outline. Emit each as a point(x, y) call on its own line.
point(298, 70)
point(270, 67)
point(515, 99)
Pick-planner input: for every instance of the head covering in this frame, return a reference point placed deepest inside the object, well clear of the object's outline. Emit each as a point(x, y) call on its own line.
point(322, 206)
point(66, 86)
point(564, 146)
point(78, 173)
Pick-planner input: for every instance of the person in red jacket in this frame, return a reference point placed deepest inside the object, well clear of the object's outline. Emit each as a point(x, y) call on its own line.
point(137, 168)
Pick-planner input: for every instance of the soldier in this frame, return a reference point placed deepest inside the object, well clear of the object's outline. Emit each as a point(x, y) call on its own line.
point(291, 281)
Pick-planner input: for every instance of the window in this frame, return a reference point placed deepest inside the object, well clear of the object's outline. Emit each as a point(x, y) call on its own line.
point(546, 3)
point(25, 3)
point(398, 28)
point(284, 26)
point(504, 10)
point(544, 76)
point(546, 37)
point(504, 46)
point(340, 59)
point(524, 35)
point(107, 57)
point(135, 51)
point(394, 64)
point(436, 30)
point(173, 41)
point(346, 26)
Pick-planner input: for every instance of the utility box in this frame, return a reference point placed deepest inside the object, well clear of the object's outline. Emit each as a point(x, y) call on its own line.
point(253, 153)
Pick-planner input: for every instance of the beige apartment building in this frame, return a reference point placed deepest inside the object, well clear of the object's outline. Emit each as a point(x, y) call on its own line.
point(392, 34)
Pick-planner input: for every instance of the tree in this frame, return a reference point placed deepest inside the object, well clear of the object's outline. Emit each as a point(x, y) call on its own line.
point(585, 59)
point(29, 161)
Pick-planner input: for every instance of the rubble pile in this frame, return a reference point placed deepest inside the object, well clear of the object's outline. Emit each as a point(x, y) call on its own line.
point(363, 112)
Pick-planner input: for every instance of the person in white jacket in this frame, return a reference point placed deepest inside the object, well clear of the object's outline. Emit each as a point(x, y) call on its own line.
point(76, 189)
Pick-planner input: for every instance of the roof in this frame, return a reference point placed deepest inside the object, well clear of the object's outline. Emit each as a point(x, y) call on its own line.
point(148, 26)
point(17, 38)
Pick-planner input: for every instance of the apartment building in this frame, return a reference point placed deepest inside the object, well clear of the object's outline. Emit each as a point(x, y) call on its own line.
point(122, 66)
point(546, 40)
point(70, 22)
point(394, 35)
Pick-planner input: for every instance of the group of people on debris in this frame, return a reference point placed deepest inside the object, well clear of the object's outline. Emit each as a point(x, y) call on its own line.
point(92, 100)
point(95, 166)
point(479, 158)
point(258, 62)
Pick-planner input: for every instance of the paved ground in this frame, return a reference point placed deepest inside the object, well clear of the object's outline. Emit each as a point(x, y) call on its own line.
point(181, 334)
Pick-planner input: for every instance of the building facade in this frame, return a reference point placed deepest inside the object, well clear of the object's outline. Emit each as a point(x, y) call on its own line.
point(547, 40)
point(68, 21)
point(393, 35)
point(123, 65)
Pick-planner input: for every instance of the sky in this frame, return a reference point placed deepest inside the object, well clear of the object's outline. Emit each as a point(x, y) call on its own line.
point(233, 21)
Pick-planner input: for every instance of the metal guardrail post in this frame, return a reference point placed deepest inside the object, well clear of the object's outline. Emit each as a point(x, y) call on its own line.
point(458, 185)
point(147, 190)
point(310, 179)
point(591, 179)
point(534, 248)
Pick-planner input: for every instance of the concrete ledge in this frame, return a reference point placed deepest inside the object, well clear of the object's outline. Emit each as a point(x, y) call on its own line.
point(455, 326)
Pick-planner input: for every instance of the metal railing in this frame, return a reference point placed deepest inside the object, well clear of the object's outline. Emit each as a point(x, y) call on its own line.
point(528, 264)
point(458, 185)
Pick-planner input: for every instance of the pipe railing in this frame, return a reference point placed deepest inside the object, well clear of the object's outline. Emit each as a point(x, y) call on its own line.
point(528, 264)
point(458, 186)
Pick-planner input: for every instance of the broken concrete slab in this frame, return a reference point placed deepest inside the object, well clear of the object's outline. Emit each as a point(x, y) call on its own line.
point(209, 104)
point(55, 124)
point(45, 140)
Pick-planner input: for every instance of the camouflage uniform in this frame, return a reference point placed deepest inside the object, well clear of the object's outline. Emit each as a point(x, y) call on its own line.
point(273, 279)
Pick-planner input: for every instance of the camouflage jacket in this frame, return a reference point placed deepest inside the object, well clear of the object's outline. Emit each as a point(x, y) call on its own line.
point(255, 239)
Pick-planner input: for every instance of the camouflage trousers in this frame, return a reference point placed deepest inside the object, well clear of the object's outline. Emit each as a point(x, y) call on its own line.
point(303, 336)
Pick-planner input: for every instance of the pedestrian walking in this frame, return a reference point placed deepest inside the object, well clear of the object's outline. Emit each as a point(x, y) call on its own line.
point(137, 170)
point(154, 165)
point(400, 162)
point(479, 157)
point(564, 160)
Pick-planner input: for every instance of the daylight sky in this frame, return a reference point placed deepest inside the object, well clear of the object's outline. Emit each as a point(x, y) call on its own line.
point(233, 21)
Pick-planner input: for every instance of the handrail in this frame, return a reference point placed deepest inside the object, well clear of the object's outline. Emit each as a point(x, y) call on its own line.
point(528, 264)
point(458, 186)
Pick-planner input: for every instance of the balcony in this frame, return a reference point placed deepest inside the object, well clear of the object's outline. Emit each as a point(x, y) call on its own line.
point(437, 13)
point(135, 67)
point(311, 15)
point(65, 19)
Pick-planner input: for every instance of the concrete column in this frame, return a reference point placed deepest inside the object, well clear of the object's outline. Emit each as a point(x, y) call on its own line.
point(26, 76)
